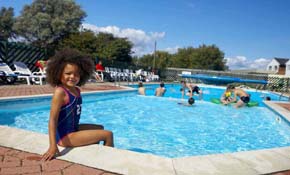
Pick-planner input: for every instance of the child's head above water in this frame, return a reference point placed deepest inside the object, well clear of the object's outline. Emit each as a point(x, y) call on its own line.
point(191, 101)
point(140, 84)
point(57, 63)
point(230, 87)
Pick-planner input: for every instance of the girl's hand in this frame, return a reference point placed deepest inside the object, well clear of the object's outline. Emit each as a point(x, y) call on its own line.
point(50, 153)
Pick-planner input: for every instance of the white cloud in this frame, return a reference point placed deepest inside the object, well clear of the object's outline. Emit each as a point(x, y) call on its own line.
point(260, 63)
point(241, 62)
point(143, 42)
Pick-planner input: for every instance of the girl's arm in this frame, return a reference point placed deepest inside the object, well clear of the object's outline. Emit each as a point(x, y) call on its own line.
point(223, 97)
point(58, 100)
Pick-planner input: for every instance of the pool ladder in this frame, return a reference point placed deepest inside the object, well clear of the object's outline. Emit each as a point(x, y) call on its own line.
point(281, 95)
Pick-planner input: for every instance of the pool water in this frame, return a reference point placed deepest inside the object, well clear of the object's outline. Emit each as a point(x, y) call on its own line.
point(161, 126)
point(173, 91)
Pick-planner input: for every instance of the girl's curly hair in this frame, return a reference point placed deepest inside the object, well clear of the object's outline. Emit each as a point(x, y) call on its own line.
point(66, 56)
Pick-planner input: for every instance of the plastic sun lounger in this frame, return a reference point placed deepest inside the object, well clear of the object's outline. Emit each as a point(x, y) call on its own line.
point(9, 73)
point(23, 70)
point(8, 78)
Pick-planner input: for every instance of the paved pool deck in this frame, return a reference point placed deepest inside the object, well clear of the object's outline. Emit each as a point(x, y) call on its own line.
point(20, 151)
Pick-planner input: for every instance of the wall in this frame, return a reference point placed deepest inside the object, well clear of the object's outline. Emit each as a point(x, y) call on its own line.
point(273, 63)
point(287, 73)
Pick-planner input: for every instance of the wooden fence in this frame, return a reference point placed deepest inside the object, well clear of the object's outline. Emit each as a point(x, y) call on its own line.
point(10, 52)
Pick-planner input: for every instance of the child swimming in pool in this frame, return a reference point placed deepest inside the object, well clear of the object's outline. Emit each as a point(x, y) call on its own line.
point(160, 91)
point(141, 89)
point(243, 95)
point(67, 70)
point(190, 102)
point(191, 89)
point(226, 97)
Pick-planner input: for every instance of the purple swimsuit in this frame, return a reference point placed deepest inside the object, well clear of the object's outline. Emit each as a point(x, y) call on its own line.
point(69, 115)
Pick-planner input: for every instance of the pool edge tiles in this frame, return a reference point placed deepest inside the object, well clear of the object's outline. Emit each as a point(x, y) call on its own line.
point(83, 93)
point(278, 109)
point(129, 162)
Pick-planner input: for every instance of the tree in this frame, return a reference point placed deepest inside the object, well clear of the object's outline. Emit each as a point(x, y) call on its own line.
point(121, 50)
point(183, 58)
point(45, 22)
point(103, 46)
point(203, 57)
point(162, 60)
point(103, 50)
point(6, 23)
point(112, 49)
point(85, 42)
point(145, 61)
point(209, 57)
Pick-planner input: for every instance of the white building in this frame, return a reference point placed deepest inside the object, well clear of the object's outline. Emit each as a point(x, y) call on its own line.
point(278, 65)
point(288, 68)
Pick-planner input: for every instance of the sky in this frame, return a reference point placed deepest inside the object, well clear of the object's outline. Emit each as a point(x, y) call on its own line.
point(249, 32)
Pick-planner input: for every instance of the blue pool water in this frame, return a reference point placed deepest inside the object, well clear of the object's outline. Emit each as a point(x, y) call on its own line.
point(160, 126)
point(173, 91)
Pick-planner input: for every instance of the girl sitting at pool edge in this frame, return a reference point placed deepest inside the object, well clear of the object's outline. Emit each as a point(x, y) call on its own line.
point(65, 71)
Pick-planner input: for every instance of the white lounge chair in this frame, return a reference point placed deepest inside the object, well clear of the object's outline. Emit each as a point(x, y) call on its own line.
point(6, 74)
point(23, 71)
point(9, 73)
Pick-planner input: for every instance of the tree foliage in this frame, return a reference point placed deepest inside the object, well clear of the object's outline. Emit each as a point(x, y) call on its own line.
point(103, 46)
point(162, 60)
point(45, 22)
point(6, 23)
point(112, 49)
point(85, 42)
point(210, 58)
point(203, 57)
point(184, 58)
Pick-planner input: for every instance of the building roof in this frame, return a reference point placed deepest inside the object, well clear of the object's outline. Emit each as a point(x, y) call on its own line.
point(282, 61)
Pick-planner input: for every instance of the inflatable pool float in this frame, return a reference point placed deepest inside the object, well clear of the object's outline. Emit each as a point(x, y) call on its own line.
point(250, 104)
point(253, 103)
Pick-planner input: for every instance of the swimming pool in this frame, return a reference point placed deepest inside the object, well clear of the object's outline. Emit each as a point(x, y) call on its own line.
point(160, 126)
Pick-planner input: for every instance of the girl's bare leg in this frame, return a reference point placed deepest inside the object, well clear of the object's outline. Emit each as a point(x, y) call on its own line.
point(90, 126)
point(87, 137)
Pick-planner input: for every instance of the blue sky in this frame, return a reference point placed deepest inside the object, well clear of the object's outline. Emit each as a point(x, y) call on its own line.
point(249, 32)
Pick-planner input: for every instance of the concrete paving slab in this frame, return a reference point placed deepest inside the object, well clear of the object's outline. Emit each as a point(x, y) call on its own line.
point(264, 161)
point(211, 165)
